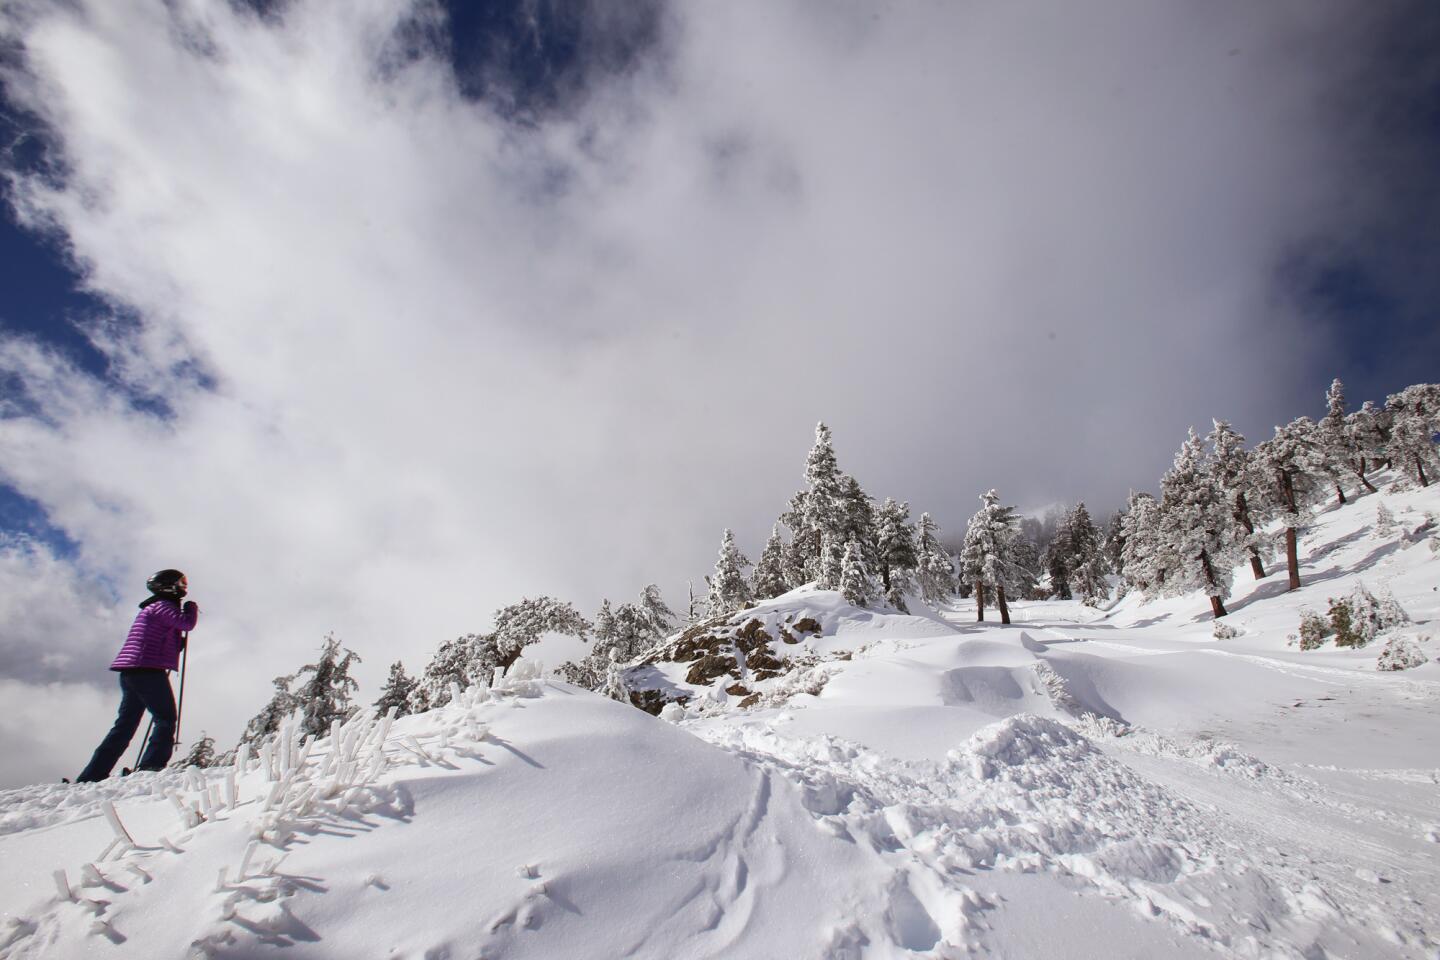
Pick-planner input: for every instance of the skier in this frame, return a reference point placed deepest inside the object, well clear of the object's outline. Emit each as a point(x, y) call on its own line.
point(151, 650)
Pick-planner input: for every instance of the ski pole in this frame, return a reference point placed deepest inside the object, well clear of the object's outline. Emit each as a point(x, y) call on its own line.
point(143, 741)
point(180, 708)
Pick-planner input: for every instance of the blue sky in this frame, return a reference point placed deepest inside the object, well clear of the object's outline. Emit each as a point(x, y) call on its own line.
point(473, 301)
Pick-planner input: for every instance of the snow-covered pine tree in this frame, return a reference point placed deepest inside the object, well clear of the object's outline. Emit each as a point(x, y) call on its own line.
point(267, 721)
point(833, 564)
point(1414, 420)
point(202, 754)
point(823, 507)
point(633, 634)
point(1334, 438)
point(987, 558)
point(1087, 565)
point(855, 583)
point(1198, 528)
point(1233, 468)
point(466, 661)
point(1056, 561)
point(399, 688)
point(858, 522)
point(1115, 540)
point(1029, 568)
point(728, 590)
point(604, 630)
point(768, 580)
point(657, 617)
point(935, 572)
point(896, 553)
point(1291, 470)
point(1369, 429)
point(521, 624)
point(1142, 562)
point(613, 685)
point(1384, 521)
point(324, 696)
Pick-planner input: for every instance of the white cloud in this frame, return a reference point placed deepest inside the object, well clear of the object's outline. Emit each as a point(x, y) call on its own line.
point(456, 360)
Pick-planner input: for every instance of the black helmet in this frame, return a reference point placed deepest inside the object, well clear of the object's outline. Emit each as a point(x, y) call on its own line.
point(167, 583)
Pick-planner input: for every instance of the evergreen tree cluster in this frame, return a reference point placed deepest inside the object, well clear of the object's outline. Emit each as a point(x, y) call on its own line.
point(1215, 509)
point(1219, 498)
point(839, 538)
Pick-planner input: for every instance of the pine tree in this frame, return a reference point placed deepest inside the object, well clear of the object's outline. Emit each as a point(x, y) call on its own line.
point(1057, 563)
point(769, 578)
point(521, 624)
point(1086, 558)
point(399, 688)
point(1198, 528)
point(728, 590)
point(325, 696)
point(655, 614)
point(1334, 438)
point(857, 517)
point(987, 559)
point(604, 632)
point(896, 553)
point(1029, 569)
point(1414, 419)
point(613, 685)
point(822, 506)
point(855, 583)
point(466, 661)
point(936, 573)
point(1142, 563)
point(202, 754)
point(1233, 468)
point(832, 565)
point(1369, 430)
point(267, 721)
point(1292, 478)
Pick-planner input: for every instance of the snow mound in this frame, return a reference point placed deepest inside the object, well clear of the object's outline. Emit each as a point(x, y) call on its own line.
point(1014, 747)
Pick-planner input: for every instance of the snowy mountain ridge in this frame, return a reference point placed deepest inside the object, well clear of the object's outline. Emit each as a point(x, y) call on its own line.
point(1081, 783)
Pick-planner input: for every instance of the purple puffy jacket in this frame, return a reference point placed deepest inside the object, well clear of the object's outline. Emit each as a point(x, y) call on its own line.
point(154, 640)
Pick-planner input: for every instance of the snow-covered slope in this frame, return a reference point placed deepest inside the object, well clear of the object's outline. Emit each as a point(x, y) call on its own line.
point(1080, 784)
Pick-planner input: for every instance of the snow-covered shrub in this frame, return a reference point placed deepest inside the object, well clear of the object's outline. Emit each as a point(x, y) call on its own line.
point(1401, 653)
point(1375, 616)
point(1313, 629)
point(1384, 521)
point(1223, 631)
point(1342, 624)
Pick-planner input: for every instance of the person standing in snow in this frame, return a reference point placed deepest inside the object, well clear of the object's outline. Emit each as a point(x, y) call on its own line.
point(150, 652)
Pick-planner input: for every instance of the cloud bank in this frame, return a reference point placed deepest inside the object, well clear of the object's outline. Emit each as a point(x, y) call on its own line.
point(387, 355)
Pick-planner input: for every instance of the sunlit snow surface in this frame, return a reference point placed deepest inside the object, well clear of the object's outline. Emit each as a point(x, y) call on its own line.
point(1080, 784)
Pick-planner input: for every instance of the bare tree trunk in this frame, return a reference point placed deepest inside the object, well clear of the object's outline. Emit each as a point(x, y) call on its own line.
point(1360, 472)
point(980, 602)
point(1340, 491)
point(1420, 469)
point(1292, 558)
point(1000, 602)
point(1217, 606)
point(1242, 514)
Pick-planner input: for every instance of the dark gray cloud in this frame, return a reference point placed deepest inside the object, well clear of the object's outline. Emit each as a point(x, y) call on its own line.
point(453, 355)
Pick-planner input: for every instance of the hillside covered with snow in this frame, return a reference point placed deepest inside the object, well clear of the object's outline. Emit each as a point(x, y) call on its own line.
point(822, 781)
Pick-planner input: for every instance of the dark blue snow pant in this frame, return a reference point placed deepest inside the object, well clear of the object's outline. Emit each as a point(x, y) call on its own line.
point(140, 690)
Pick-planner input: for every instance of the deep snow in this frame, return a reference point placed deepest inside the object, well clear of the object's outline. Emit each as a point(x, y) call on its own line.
point(1082, 783)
